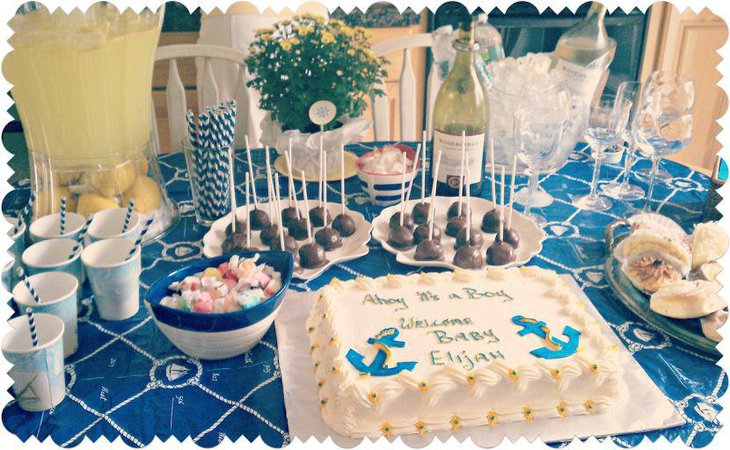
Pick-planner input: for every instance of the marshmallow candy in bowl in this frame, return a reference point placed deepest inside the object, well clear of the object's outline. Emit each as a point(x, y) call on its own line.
point(221, 307)
point(380, 172)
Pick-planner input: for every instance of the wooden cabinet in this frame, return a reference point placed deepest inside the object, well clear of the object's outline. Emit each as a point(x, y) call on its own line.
point(687, 42)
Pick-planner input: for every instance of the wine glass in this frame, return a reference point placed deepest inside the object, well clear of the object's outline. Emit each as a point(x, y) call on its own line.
point(606, 121)
point(624, 190)
point(664, 120)
point(537, 133)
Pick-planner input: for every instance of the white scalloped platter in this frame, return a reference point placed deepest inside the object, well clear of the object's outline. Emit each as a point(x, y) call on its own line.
point(353, 247)
point(531, 236)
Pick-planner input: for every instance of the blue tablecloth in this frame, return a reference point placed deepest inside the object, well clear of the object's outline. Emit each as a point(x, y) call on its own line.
point(127, 380)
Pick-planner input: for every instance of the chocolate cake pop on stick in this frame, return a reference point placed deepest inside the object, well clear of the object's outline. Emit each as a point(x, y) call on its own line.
point(420, 211)
point(344, 223)
point(395, 220)
point(457, 208)
point(257, 218)
point(299, 228)
point(510, 234)
point(311, 254)
point(328, 237)
point(317, 214)
point(284, 242)
point(500, 252)
point(468, 256)
point(291, 212)
point(469, 235)
point(430, 249)
point(490, 221)
point(270, 231)
point(401, 237)
point(239, 240)
point(236, 225)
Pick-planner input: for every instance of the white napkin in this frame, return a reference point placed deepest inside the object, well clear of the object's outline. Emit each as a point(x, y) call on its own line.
point(305, 420)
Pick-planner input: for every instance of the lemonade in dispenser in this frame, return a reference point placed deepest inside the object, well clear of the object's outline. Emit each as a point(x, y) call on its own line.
point(82, 85)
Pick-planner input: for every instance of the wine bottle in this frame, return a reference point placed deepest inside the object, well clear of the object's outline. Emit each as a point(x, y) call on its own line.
point(460, 118)
point(584, 52)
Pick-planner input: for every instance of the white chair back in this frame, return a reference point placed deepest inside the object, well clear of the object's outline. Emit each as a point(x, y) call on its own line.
point(407, 87)
point(208, 93)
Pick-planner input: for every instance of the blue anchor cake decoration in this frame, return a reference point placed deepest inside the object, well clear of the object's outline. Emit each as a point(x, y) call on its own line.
point(554, 348)
point(379, 367)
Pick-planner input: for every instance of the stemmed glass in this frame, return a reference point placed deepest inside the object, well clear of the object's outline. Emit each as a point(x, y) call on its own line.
point(664, 119)
point(606, 122)
point(537, 133)
point(624, 190)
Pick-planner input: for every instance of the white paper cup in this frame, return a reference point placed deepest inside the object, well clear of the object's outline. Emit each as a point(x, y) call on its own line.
point(18, 245)
point(58, 292)
point(113, 278)
point(108, 224)
point(49, 227)
point(51, 255)
point(38, 375)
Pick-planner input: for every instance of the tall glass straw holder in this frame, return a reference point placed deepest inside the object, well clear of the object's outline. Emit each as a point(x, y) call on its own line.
point(208, 171)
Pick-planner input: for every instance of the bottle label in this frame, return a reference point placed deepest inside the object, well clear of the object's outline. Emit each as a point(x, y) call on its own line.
point(582, 80)
point(450, 147)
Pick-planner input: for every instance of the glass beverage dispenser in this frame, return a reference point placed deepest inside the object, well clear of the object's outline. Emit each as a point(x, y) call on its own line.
point(82, 86)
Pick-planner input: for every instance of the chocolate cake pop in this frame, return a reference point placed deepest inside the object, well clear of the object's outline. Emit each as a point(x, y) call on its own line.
point(298, 229)
point(401, 236)
point(468, 256)
point(283, 243)
point(328, 237)
point(269, 234)
point(289, 215)
point(257, 218)
point(454, 209)
point(240, 225)
point(423, 231)
point(455, 225)
point(290, 245)
point(395, 220)
point(500, 253)
point(344, 223)
point(430, 248)
point(240, 239)
point(458, 208)
point(311, 254)
point(236, 225)
point(476, 239)
point(491, 219)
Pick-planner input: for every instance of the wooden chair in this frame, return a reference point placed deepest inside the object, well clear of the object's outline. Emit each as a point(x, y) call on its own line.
point(409, 123)
point(208, 94)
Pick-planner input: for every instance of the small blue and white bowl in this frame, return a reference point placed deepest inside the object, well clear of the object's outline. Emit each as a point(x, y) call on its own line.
point(224, 335)
point(385, 189)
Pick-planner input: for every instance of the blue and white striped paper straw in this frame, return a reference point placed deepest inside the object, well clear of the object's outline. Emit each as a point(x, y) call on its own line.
point(31, 325)
point(138, 242)
point(81, 236)
point(62, 225)
point(128, 216)
point(26, 283)
point(23, 213)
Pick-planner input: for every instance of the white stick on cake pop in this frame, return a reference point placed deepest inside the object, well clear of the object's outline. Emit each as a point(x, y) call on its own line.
point(468, 211)
point(432, 211)
point(306, 205)
point(290, 181)
point(278, 210)
point(342, 180)
point(269, 181)
point(324, 196)
point(402, 193)
point(287, 156)
point(251, 175)
point(415, 164)
point(501, 209)
point(512, 193)
point(248, 212)
point(232, 188)
point(321, 168)
point(423, 167)
point(491, 161)
point(461, 172)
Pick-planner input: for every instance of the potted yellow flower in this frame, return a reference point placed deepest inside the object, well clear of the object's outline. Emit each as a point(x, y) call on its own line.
point(300, 61)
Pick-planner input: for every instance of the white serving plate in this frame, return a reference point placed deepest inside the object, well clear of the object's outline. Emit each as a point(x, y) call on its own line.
point(353, 247)
point(531, 236)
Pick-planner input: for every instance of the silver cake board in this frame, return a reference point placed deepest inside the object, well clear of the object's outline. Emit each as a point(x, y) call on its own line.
point(305, 420)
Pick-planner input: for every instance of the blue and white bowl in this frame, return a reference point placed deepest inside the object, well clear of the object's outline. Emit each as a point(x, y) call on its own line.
point(385, 189)
point(224, 335)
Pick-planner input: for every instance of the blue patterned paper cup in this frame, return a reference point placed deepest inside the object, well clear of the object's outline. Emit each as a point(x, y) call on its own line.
point(38, 374)
point(58, 292)
point(108, 224)
point(49, 227)
point(52, 255)
point(113, 278)
point(385, 189)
